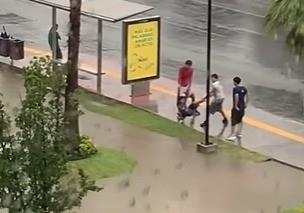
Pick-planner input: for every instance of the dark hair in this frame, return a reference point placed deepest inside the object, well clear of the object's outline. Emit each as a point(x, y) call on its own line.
point(214, 76)
point(188, 62)
point(237, 80)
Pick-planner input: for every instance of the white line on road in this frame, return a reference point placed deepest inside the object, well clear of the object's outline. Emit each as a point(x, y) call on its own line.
point(239, 29)
point(233, 9)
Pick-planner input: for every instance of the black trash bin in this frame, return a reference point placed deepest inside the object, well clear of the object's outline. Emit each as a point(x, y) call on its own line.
point(16, 49)
point(4, 47)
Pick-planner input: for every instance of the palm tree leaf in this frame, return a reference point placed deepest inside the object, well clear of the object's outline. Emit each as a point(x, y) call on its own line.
point(289, 16)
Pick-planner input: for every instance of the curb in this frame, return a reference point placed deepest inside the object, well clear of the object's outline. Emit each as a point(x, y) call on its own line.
point(20, 71)
point(286, 164)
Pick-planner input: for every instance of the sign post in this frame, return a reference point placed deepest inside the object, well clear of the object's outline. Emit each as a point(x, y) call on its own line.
point(208, 147)
point(141, 53)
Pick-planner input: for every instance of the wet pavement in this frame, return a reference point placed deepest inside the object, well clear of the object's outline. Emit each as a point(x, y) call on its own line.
point(283, 103)
point(240, 44)
point(172, 177)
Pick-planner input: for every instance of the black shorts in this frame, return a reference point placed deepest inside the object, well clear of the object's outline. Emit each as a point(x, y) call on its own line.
point(237, 116)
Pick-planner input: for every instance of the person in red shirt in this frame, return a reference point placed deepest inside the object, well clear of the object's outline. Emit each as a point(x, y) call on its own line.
point(185, 76)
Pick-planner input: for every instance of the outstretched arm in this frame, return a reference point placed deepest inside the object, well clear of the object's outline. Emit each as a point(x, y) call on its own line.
point(246, 100)
point(58, 36)
point(191, 78)
point(179, 80)
point(236, 101)
point(197, 103)
point(211, 94)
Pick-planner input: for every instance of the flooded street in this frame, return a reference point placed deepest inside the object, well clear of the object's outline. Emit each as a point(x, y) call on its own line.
point(172, 177)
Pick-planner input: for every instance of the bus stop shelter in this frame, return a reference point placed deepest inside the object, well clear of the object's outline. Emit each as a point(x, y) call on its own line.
point(101, 10)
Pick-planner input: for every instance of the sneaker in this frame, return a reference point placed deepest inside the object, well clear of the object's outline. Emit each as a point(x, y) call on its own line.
point(196, 113)
point(179, 117)
point(231, 138)
point(203, 125)
point(239, 136)
point(225, 122)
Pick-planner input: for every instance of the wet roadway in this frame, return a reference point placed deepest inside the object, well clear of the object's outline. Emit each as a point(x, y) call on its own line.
point(240, 45)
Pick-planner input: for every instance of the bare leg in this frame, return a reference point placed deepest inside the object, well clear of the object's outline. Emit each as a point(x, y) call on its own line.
point(221, 132)
point(225, 124)
point(232, 133)
point(192, 96)
point(192, 122)
point(239, 129)
point(223, 114)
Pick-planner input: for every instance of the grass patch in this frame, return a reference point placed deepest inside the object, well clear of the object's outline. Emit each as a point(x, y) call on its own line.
point(297, 210)
point(144, 119)
point(106, 163)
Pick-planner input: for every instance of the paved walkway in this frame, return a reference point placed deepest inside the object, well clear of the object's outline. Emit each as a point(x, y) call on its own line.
point(271, 135)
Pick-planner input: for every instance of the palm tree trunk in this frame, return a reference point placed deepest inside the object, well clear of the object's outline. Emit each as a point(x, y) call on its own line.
point(71, 101)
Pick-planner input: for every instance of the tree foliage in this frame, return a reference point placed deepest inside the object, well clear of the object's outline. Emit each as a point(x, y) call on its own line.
point(289, 16)
point(35, 176)
point(12, 179)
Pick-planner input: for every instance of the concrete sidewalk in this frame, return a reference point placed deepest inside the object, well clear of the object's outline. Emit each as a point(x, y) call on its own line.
point(268, 134)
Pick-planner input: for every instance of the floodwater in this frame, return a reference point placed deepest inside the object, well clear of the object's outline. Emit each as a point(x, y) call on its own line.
point(240, 45)
point(172, 177)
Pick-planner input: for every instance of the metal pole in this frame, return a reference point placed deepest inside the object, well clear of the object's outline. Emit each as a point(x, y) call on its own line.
point(54, 34)
point(99, 56)
point(208, 72)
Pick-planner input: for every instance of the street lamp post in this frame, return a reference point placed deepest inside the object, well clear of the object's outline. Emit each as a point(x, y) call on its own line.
point(208, 72)
point(208, 147)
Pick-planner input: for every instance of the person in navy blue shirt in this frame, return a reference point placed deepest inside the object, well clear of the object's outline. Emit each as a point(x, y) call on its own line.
point(240, 101)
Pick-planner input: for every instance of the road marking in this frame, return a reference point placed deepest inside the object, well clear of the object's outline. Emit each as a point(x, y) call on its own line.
point(235, 10)
point(156, 87)
point(190, 27)
point(239, 29)
point(273, 130)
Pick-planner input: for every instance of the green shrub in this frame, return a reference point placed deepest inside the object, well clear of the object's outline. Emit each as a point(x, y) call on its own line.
point(87, 147)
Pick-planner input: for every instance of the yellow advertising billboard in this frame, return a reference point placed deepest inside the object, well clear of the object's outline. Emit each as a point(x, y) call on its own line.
point(141, 49)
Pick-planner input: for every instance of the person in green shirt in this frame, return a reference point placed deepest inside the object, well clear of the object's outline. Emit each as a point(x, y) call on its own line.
point(50, 40)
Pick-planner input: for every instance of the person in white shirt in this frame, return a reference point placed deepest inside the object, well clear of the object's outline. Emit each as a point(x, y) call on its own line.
point(218, 97)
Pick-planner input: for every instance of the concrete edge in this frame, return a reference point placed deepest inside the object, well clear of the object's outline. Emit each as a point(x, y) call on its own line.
point(287, 164)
